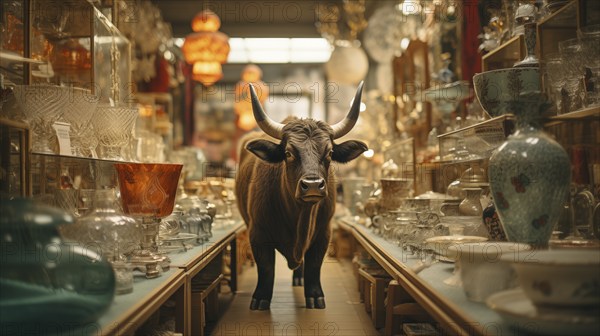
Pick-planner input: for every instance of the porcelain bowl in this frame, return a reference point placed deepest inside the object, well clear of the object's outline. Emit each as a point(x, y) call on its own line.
point(441, 244)
point(484, 267)
point(569, 278)
point(498, 90)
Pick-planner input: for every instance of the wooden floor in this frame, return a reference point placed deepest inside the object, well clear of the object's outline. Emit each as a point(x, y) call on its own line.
point(344, 315)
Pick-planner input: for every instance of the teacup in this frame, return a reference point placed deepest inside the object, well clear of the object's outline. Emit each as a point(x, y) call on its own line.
point(450, 207)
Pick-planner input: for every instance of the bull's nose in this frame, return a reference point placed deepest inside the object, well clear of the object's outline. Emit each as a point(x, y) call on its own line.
point(312, 187)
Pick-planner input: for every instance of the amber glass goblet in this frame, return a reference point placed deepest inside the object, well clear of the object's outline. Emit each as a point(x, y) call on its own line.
point(148, 191)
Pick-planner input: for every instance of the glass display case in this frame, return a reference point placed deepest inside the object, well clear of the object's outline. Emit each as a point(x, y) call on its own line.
point(14, 158)
point(475, 142)
point(69, 43)
point(13, 29)
point(112, 61)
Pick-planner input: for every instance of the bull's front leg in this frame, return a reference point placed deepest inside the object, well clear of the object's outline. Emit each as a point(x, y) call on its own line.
point(298, 276)
point(313, 260)
point(264, 255)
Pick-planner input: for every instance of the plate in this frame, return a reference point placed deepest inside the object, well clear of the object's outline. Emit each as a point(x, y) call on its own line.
point(518, 311)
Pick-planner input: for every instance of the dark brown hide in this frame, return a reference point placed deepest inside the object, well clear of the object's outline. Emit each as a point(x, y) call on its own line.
point(268, 202)
point(285, 189)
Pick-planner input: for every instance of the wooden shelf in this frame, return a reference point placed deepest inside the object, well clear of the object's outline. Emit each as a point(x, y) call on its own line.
point(505, 55)
point(583, 114)
point(559, 26)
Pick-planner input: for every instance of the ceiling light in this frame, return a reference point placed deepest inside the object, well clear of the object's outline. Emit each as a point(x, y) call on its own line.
point(279, 50)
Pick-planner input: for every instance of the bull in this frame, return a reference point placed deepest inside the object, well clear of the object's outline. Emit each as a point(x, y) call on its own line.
point(286, 195)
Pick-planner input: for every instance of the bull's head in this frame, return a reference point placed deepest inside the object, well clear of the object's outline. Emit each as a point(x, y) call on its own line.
point(306, 148)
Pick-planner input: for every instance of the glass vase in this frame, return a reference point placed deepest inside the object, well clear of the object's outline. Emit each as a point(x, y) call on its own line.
point(106, 230)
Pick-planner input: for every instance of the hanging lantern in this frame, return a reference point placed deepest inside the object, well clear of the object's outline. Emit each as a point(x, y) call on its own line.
point(348, 64)
point(206, 48)
point(243, 103)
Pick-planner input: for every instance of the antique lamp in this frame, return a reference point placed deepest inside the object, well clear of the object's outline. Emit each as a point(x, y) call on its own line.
point(148, 191)
point(206, 48)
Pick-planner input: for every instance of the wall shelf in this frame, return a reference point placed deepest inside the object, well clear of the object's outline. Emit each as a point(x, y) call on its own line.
point(583, 114)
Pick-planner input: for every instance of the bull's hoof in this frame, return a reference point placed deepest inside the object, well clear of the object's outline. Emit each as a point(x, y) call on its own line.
point(315, 303)
point(261, 304)
point(297, 282)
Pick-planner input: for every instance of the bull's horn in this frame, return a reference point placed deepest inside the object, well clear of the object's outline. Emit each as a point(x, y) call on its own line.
point(265, 123)
point(343, 127)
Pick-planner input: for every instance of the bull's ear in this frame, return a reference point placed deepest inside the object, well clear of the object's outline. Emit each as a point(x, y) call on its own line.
point(266, 150)
point(348, 151)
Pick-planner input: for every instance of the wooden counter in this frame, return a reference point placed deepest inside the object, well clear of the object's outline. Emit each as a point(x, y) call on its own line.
point(447, 305)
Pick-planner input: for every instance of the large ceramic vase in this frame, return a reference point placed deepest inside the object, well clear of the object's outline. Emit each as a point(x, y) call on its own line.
point(529, 176)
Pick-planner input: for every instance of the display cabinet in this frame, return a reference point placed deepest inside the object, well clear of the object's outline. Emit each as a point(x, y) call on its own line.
point(476, 142)
point(15, 145)
point(411, 78)
point(186, 294)
point(65, 43)
point(13, 49)
point(505, 55)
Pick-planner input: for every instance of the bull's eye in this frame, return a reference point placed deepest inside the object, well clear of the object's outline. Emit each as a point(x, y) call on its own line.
point(328, 157)
point(289, 155)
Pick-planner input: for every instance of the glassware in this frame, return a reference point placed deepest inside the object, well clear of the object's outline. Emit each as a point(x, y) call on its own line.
point(555, 79)
point(78, 112)
point(71, 59)
point(582, 204)
point(123, 276)
point(148, 191)
point(352, 191)
point(107, 230)
point(85, 201)
point(572, 59)
point(590, 49)
point(148, 146)
point(42, 105)
point(74, 289)
point(113, 127)
point(565, 226)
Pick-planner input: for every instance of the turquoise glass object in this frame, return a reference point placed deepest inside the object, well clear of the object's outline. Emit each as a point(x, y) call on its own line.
point(47, 284)
point(529, 176)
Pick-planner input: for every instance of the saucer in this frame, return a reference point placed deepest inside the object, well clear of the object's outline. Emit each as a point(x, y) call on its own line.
point(518, 311)
point(440, 245)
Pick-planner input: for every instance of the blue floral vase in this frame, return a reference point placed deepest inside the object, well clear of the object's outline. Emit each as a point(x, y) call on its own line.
point(529, 176)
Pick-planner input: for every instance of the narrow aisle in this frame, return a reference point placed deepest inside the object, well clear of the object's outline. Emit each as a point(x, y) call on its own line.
point(344, 315)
